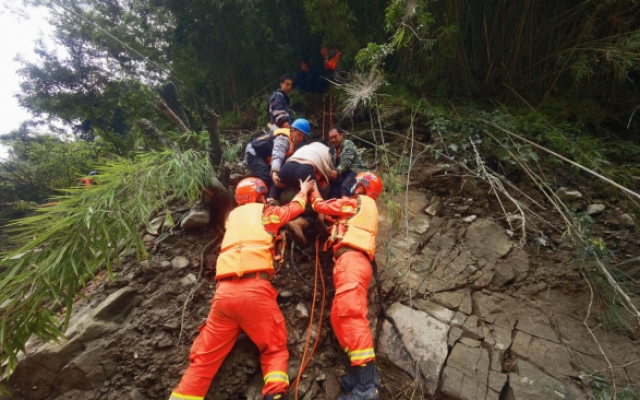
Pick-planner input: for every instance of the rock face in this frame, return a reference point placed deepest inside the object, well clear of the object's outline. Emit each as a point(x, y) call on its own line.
point(78, 361)
point(419, 345)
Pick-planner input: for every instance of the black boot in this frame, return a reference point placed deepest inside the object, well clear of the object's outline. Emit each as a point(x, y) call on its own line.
point(275, 396)
point(364, 381)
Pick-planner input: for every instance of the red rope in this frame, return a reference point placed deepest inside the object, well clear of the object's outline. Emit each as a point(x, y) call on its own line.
point(304, 364)
point(324, 114)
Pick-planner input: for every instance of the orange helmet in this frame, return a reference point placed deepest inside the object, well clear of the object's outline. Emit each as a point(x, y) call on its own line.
point(249, 190)
point(371, 182)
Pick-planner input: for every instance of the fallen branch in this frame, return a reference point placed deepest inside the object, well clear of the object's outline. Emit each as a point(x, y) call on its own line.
point(585, 169)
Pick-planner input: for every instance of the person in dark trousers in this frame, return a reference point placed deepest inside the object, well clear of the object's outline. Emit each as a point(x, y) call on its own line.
point(347, 163)
point(278, 104)
point(266, 154)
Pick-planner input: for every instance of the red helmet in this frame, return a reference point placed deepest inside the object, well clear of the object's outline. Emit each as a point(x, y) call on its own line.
point(249, 190)
point(371, 182)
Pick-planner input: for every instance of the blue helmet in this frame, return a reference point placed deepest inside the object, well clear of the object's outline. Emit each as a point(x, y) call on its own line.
point(302, 124)
point(93, 173)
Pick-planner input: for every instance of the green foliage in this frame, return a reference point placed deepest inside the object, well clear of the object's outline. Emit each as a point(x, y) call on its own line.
point(373, 56)
point(64, 245)
point(603, 390)
point(41, 164)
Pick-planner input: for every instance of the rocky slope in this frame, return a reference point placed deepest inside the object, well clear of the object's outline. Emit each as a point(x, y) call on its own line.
point(472, 312)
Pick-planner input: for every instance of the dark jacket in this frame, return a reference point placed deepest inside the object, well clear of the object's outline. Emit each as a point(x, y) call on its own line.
point(278, 108)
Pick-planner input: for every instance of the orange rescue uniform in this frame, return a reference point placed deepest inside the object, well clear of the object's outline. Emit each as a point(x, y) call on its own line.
point(353, 240)
point(245, 301)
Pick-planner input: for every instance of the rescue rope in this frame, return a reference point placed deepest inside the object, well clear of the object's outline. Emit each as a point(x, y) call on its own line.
point(324, 114)
point(304, 364)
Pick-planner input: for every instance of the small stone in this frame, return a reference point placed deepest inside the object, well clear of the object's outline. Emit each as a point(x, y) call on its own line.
point(148, 240)
point(131, 253)
point(627, 221)
point(156, 224)
point(565, 194)
point(165, 264)
point(503, 275)
point(286, 294)
point(188, 280)
point(509, 233)
point(302, 310)
point(135, 394)
point(147, 267)
point(180, 262)
point(196, 219)
point(457, 215)
point(469, 219)
point(433, 208)
point(595, 209)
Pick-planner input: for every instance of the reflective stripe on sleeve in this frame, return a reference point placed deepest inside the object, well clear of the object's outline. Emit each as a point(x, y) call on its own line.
point(276, 376)
point(175, 396)
point(300, 201)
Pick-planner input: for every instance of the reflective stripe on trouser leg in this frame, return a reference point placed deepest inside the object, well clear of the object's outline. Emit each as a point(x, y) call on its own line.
point(276, 376)
point(178, 396)
point(264, 325)
point(352, 275)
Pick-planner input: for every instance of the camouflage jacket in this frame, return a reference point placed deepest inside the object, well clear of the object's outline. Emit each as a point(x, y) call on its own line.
point(347, 158)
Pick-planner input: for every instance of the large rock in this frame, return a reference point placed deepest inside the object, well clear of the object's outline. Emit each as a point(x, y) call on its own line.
point(487, 240)
point(468, 374)
point(532, 384)
point(196, 219)
point(423, 337)
point(72, 363)
point(552, 358)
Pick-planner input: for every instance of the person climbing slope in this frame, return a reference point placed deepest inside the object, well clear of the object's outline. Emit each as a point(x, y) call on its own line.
point(245, 300)
point(353, 239)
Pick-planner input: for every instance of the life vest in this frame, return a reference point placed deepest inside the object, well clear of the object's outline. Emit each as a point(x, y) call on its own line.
point(263, 144)
point(358, 231)
point(246, 246)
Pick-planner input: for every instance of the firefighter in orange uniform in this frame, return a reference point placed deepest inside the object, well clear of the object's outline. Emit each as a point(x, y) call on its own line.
point(245, 300)
point(353, 239)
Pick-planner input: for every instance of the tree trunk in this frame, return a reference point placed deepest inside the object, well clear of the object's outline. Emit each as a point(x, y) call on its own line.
point(215, 150)
point(170, 95)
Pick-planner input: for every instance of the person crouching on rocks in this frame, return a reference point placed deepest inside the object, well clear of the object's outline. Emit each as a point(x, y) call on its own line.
point(312, 160)
point(245, 300)
point(353, 239)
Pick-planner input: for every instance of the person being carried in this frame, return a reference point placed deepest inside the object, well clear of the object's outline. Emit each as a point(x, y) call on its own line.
point(278, 106)
point(314, 161)
point(245, 300)
point(265, 154)
point(353, 239)
point(348, 164)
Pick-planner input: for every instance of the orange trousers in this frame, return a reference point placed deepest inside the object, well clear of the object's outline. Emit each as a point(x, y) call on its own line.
point(247, 305)
point(351, 275)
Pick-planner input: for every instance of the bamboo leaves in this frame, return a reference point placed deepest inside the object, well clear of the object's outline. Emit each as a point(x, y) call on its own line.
point(65, 245)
